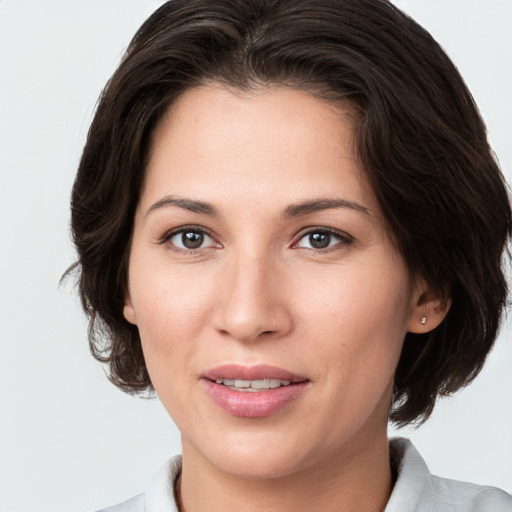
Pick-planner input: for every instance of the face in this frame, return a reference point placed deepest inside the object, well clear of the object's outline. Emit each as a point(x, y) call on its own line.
point(271, 303)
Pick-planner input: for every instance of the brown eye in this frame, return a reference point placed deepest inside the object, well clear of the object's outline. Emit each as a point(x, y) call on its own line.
point(319, 240)
point(323, 239)
point(190, 239)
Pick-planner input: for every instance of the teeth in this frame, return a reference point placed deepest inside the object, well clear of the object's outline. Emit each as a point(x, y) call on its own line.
point(275, 383)
point(253, 385)
point(260, 384)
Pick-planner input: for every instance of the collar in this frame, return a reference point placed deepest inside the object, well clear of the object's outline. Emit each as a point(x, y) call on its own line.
point(411, 470)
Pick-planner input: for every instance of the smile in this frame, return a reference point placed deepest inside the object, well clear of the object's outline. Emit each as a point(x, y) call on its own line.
point(252, 385)
point(253, 391)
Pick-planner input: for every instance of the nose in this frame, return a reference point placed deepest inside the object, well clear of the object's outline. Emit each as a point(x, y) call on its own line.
point(252, 301)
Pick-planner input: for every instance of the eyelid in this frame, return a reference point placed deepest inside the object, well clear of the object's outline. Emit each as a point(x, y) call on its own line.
point(344, 237)
point(189, 227)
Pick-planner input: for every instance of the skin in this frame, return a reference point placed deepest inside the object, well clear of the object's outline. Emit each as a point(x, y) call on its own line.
point(256, 291)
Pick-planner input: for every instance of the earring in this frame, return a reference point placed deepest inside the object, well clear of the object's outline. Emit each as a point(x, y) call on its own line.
point(423, 320)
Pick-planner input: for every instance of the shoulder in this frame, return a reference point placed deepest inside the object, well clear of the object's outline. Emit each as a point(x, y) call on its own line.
point(158, 496)
point(470, 497)
point(417, 489)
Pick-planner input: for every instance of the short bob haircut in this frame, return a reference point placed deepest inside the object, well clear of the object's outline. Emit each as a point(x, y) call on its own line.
point(420, 139)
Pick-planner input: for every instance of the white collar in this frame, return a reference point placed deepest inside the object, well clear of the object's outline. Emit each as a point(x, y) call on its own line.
point(415, 490)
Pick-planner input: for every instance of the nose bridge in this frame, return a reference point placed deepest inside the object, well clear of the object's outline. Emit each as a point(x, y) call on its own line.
point(251, 304)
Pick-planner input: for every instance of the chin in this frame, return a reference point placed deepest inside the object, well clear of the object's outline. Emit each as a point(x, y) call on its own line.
point(258, 465)
point(257, 455)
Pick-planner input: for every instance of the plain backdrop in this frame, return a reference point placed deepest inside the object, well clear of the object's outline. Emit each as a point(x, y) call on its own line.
point(69, 440)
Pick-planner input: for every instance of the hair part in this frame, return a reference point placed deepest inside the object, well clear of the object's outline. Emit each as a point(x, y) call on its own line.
point(420, 139)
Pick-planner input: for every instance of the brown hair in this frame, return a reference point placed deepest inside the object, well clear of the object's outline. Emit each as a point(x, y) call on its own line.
point(419, 135)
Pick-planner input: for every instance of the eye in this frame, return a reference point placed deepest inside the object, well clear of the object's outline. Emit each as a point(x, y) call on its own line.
point(318, 239)
point(189, 239)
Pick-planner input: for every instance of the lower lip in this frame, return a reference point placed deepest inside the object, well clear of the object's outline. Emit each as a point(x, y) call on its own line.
point(247, 404)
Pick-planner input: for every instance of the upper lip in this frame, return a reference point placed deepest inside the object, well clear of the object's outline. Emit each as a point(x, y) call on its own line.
point(257, 372)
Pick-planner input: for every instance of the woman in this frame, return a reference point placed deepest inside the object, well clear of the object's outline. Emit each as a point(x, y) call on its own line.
point(290, 226)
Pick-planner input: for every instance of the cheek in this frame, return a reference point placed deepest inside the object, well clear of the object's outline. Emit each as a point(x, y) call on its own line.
point(170, 308)
point(361, 295)
point(359, 317)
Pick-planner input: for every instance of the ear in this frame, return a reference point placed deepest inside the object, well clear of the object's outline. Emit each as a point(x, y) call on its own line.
point(429, 307)
point(128, 310)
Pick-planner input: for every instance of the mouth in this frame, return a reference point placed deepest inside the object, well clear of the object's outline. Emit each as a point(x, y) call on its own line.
point(262, 375)
point(252, 386)
point(255, 391)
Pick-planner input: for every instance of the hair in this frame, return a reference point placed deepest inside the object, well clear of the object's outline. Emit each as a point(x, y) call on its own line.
point(421, 142)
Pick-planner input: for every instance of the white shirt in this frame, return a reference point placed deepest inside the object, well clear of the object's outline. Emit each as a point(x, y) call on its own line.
point(416, 489)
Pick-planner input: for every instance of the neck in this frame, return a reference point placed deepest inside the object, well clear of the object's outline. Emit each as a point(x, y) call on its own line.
point(357, 479)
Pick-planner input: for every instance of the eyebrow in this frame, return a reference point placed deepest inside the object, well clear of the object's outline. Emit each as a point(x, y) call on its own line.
point(291, 211)
point(186, 204)
point(300, 209)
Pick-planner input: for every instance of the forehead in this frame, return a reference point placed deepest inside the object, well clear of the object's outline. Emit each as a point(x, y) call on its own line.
point(280, 142)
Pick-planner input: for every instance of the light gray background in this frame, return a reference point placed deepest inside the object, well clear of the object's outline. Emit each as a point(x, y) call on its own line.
point(68, 439)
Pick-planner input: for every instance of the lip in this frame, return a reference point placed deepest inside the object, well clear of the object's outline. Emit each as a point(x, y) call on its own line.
point(258, 404)
point(257, 372)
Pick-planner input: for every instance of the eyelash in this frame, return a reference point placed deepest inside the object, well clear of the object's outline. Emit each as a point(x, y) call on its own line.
point(185, 229)
point(344, 238)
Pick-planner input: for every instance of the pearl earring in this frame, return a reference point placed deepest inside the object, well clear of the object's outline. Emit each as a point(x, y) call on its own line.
point(423, 320)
